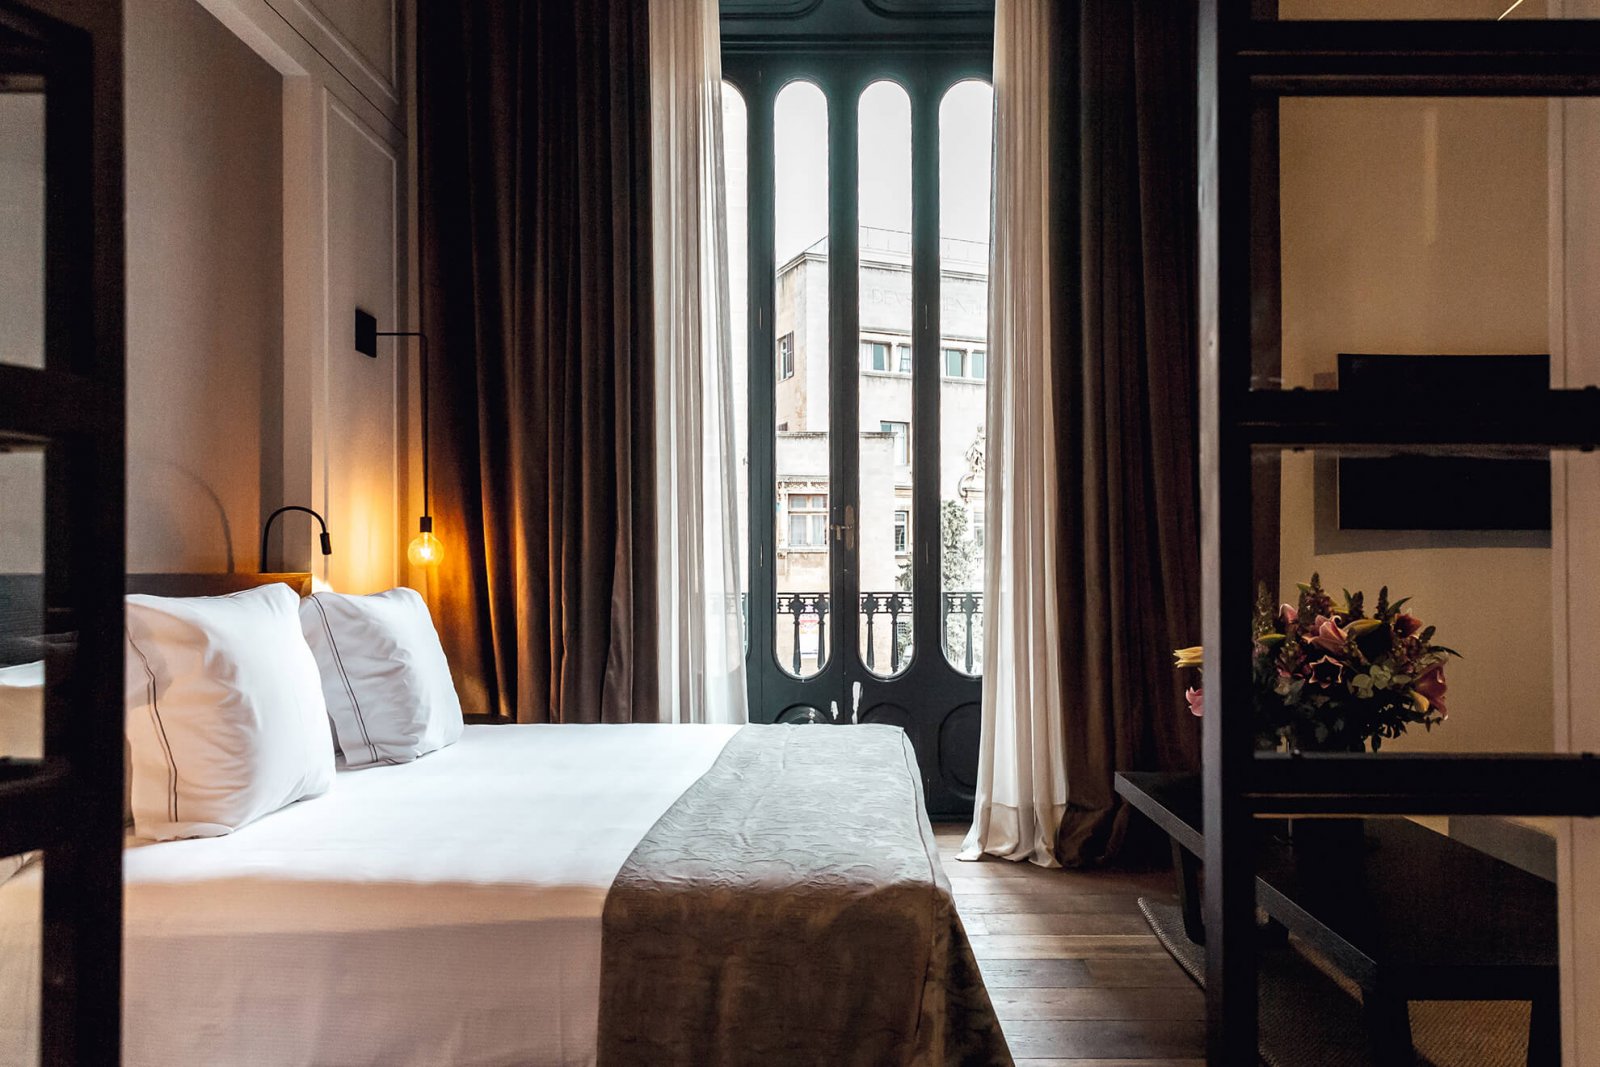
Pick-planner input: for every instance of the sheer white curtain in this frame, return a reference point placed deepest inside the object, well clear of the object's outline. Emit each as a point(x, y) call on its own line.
point(1022, 784)
point(701, 632)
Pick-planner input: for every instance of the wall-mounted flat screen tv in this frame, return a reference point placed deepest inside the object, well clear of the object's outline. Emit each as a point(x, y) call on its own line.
point(1412, 491)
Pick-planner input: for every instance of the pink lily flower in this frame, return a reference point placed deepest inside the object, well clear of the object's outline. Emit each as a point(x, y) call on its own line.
point(1330, 637)
point(1432, 688)
point(1326, 672)
point(1197, 701)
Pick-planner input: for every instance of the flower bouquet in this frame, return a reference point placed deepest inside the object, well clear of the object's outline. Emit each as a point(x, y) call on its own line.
point(1333, 678)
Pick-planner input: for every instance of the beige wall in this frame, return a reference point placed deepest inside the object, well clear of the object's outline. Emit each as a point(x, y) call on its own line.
point(21, 316)
point(22, 229)
point(363, 435)
point(204, 290)
point(267, 198)
point(1419, 226)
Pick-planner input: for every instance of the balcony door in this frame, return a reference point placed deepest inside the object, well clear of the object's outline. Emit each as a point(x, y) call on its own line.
point(859, 226)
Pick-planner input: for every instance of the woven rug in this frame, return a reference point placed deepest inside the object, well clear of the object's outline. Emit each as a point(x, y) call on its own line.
point(1311, 1015)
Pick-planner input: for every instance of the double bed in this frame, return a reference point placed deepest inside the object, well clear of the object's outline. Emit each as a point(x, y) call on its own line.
point(553, 895)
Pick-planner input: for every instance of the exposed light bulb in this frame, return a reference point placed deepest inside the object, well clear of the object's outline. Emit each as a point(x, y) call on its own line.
point(425, 550)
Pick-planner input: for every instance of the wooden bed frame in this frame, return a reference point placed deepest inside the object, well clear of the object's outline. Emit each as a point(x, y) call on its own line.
point(215, 584)
point(22, 600)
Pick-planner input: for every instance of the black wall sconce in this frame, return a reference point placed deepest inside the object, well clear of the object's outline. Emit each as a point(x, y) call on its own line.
point(266, 530)
point(424, 549)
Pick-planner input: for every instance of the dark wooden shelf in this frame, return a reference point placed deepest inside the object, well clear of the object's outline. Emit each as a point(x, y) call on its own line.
point(1444, 57)
point(1559, 418)
point(35, 795)
point(45, 404)
point(1248, 60)
point(1414, 906)
point(1425, 784)
point(17, 770)
point(11, 441)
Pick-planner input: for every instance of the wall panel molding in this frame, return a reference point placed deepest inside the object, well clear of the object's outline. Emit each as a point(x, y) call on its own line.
point(348, 422)
point(1574, 243)
point(364, 51)
point(359, 452)
point(298, 41)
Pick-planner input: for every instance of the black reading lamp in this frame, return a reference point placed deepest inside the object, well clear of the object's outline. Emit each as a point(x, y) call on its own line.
point(424, 549)
point(266, 529)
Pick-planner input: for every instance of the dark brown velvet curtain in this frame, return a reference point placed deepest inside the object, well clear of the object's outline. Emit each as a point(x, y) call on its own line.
point(1129, 582)
point(534, 203)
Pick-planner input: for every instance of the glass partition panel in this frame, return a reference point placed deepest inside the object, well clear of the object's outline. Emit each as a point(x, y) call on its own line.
point(800, 346)
point(1406, 598)
point(21, 926)
point(21, 227)
point(22, 647)
point(1403, 232)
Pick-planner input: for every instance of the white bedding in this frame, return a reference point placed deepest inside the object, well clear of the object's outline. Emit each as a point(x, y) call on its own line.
point(445, 911)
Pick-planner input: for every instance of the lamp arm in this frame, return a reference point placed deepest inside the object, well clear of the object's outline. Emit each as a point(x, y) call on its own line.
point(266, 530)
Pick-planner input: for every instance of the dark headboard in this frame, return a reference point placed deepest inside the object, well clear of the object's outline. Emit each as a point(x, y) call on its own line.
point(22, 602)
point(213, 584)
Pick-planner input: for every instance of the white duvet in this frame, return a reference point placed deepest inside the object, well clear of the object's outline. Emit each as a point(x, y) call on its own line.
point(445, 911)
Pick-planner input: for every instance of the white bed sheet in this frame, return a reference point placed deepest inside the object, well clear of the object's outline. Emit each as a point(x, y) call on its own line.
point(445, 911)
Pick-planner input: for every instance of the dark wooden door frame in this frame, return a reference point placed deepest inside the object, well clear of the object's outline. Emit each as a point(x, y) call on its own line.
point(70, 803)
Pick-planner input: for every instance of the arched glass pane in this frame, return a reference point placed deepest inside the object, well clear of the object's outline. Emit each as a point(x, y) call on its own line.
point(966, 139)
point(800, 353)
point(735, 170)
point(886, 370)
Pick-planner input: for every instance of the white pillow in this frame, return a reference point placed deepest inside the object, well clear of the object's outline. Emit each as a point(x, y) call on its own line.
point(384, 676)
point(225, 715)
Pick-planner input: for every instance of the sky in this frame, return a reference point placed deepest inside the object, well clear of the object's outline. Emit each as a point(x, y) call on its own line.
point(884, 146)
point(801, 194)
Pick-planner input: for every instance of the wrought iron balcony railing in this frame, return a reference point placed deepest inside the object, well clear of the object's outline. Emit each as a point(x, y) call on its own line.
point(962, 611)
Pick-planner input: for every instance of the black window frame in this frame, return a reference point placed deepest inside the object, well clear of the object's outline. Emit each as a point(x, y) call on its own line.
point(843, 46)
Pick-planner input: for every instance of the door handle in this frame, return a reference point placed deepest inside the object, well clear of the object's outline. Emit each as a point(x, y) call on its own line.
point(846, 531)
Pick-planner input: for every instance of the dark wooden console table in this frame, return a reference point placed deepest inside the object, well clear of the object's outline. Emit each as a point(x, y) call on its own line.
point(1407, 914)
